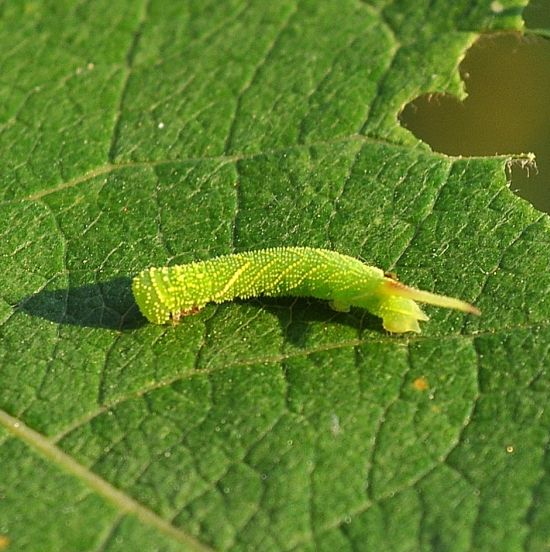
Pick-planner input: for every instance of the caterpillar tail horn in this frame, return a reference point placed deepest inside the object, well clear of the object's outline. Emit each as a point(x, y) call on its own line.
point(396, 288)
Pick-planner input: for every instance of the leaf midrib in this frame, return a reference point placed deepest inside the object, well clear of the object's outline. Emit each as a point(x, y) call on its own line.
point(122, 501)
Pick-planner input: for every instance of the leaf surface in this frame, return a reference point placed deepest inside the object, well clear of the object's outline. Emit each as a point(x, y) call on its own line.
point(153, 133)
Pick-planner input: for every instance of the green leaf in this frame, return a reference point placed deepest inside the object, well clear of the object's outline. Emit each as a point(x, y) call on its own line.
point(153, 133)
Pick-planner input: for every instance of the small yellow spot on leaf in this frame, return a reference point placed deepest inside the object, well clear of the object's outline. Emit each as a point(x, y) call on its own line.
point(420, 384)
point(4, 542)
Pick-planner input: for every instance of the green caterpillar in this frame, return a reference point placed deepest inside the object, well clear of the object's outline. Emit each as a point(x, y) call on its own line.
point(168, 293)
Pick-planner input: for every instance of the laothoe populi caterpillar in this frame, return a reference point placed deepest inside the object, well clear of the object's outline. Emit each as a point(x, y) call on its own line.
point(165, 294)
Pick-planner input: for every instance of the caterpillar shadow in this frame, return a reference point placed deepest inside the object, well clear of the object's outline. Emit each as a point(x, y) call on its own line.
point(298, 317)
point(108, 304)
point(111, 305)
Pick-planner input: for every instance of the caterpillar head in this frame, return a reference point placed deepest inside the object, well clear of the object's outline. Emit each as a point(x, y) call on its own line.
point(148, 297)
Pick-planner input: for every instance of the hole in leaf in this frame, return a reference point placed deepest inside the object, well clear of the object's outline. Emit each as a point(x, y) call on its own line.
point(507, 111)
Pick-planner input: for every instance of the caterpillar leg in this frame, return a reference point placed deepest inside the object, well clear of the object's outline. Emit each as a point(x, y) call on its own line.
point(339, 306)
point(177, 316)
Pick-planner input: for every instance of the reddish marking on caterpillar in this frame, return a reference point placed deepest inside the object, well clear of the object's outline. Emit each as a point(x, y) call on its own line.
point(185, 312)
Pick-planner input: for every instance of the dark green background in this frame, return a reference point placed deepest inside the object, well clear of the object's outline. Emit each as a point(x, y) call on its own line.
point(140, 133)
